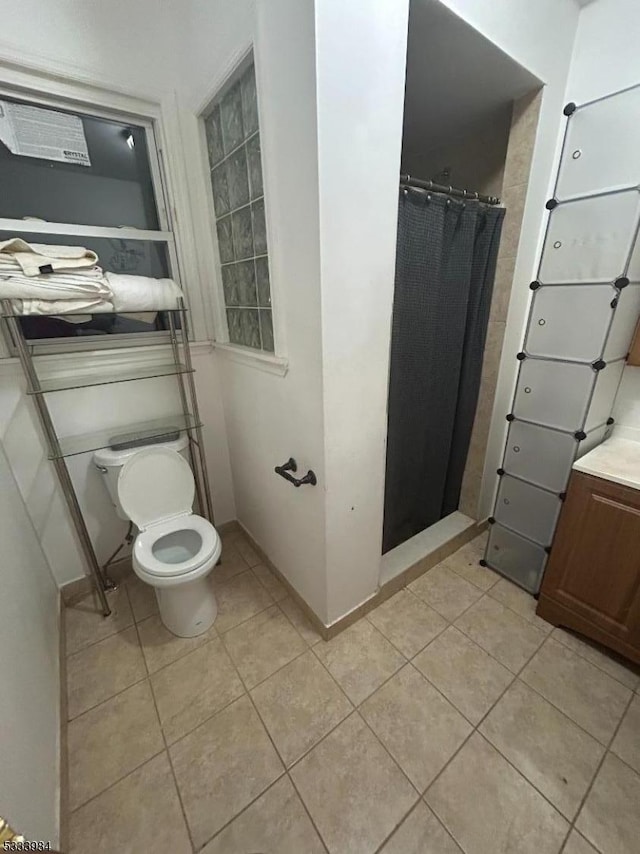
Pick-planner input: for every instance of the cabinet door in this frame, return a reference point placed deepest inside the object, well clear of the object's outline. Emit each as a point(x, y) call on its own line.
point(594, 567)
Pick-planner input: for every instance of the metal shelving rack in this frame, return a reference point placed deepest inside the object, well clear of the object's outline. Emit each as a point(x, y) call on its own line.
point(60, 447)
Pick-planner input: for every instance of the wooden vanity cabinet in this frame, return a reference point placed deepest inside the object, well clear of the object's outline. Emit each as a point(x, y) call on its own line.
point(592, 580)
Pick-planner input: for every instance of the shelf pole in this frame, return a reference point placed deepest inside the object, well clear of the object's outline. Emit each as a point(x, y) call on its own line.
point(55, 454)
point(185, 409)
point(196, 414)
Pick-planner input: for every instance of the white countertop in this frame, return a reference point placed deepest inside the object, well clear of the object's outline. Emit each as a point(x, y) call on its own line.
point(616, 459)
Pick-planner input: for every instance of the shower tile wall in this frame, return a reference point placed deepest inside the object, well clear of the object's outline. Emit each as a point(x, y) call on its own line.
point(233, 147)
point(516, 176)
point(585, 306)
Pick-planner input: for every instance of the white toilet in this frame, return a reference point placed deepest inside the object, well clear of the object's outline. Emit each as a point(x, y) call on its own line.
point(175, 550)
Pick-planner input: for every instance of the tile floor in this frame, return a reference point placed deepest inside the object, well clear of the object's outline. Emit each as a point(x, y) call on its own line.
point(450, 719)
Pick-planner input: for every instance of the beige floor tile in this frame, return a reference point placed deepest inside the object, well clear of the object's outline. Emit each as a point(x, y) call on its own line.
point(626, 744)
point(247, 551)
point(610, 817)
point(84, 623)
point(446, 591)
point(191, 689)
point(231, 564)
point(408, 622)
point(239, 599)
point(133, 815)
point(299, 705)
point(501, 632)
point(103, 669)
point(468, 676)
point(270, 583)
point(591, 698)
point(466, 562)
point(354, 791)
point(110, 741)
point(222, 766)
point(552, 752)
point(577, 844)
point(420, 833)
point(307, 631)
point(599, 657)
point(487, 806)
point(262, 645)
point(360, 660)
point(419, 728)
point(520, 601)
point(142, 598)
point(277, 823)
point(160, 647)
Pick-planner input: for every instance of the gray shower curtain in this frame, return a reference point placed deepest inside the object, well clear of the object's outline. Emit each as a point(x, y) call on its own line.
point(445, 265)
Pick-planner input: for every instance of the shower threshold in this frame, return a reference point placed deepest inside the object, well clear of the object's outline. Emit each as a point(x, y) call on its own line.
point(429, 545)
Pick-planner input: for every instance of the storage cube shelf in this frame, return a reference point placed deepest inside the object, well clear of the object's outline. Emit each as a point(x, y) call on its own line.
point(527, 509)
point(583, 313)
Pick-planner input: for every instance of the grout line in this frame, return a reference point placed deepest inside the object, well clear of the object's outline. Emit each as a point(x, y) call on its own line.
point(551, 703)
point(306, 809)
point(596, 649)
point(607, 752)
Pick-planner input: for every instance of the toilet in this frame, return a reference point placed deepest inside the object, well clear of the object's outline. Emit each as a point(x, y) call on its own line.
point(175, 549)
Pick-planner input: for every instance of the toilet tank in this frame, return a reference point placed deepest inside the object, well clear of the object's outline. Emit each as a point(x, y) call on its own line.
point(109, 462)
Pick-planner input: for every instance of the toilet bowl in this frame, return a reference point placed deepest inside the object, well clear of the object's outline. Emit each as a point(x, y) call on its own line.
point(175, 550)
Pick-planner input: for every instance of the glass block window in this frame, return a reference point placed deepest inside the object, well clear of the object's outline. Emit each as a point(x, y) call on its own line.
point(233, 146)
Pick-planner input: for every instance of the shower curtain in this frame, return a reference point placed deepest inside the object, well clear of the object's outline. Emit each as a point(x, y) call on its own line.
point(445, 265)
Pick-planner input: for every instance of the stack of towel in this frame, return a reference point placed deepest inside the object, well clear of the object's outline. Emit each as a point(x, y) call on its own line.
point(45, 279)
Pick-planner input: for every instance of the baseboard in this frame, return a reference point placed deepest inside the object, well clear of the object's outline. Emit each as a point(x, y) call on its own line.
point(63, 805)
point(309, 613)
point(381, 594)
point(77, 589)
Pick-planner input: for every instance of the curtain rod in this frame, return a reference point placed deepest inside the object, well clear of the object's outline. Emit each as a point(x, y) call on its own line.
point(408, 181)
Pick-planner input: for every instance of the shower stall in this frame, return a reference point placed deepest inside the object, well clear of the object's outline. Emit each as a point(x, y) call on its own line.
point(447, 247)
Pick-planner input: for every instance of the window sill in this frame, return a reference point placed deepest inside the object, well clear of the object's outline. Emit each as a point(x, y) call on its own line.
point(253, 358)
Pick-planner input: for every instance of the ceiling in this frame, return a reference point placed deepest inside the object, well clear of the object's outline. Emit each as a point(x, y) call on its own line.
point(455, 77)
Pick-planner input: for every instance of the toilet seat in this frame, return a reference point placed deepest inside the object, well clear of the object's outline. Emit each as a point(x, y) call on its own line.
point(154, 566)
point(156, 490)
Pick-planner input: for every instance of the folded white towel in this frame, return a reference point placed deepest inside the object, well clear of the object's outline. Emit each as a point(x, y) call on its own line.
point(37, 258)
point(139, 293)
point(53, 287)
point(62, 306)
point(9, 267)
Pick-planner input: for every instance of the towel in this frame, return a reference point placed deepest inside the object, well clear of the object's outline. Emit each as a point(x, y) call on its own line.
point(139, 293)
point(53, 287)
point(37, 258)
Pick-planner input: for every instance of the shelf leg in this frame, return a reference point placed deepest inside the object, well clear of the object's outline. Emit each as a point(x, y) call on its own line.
point(54, 450)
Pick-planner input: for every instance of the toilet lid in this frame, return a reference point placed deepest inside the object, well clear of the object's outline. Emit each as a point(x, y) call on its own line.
point(155, 485)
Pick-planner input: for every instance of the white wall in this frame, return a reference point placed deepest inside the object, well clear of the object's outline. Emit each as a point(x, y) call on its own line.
point(99, 45)
point(270, 417)
point(605, 60)
point(29, 675)
point(360, 107)
point(99, 42)
point(540, 37)
point(84, 411)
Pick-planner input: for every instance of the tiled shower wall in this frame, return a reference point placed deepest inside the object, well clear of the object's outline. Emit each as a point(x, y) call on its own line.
point(514, 189)
point(584, 309)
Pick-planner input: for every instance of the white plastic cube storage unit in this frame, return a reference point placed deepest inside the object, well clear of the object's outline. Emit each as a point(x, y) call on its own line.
point(514, 556)
point(527, 509)
point(589, 240)
point(543, 456)
point(572, 322)
point(601, 147)
point(566, 395)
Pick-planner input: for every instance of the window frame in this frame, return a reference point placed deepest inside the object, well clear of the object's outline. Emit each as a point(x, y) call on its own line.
point(270, 361)
point(101, 105)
